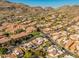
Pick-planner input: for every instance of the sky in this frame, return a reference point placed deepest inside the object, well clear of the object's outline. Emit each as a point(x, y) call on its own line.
point(47, 3)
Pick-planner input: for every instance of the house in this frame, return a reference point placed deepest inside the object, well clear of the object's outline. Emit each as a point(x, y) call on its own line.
point(12, 27)
point(31, 45)
point(4, 39)
point(38, 41)
point(69, 44)
point(74, 37)
point(10, 56)
point(22, 34)
point(53, 51)
point(18, 52)
point(73, 48)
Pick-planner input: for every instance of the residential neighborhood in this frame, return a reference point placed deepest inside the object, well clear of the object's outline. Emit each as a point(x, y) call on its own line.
point(37, 32)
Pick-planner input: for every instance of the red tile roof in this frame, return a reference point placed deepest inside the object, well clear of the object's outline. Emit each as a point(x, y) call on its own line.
point(22, 34)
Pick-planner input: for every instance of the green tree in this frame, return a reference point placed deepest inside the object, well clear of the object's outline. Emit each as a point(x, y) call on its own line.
point(3, 50)
point(37, 34)
point(40, 53)
point(28, 54)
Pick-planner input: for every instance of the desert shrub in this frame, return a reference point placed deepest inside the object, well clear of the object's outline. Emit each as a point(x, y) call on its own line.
point(7, 34)
point(19, 31)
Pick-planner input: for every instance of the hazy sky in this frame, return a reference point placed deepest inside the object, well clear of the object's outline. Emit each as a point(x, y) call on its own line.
point(47, 3)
